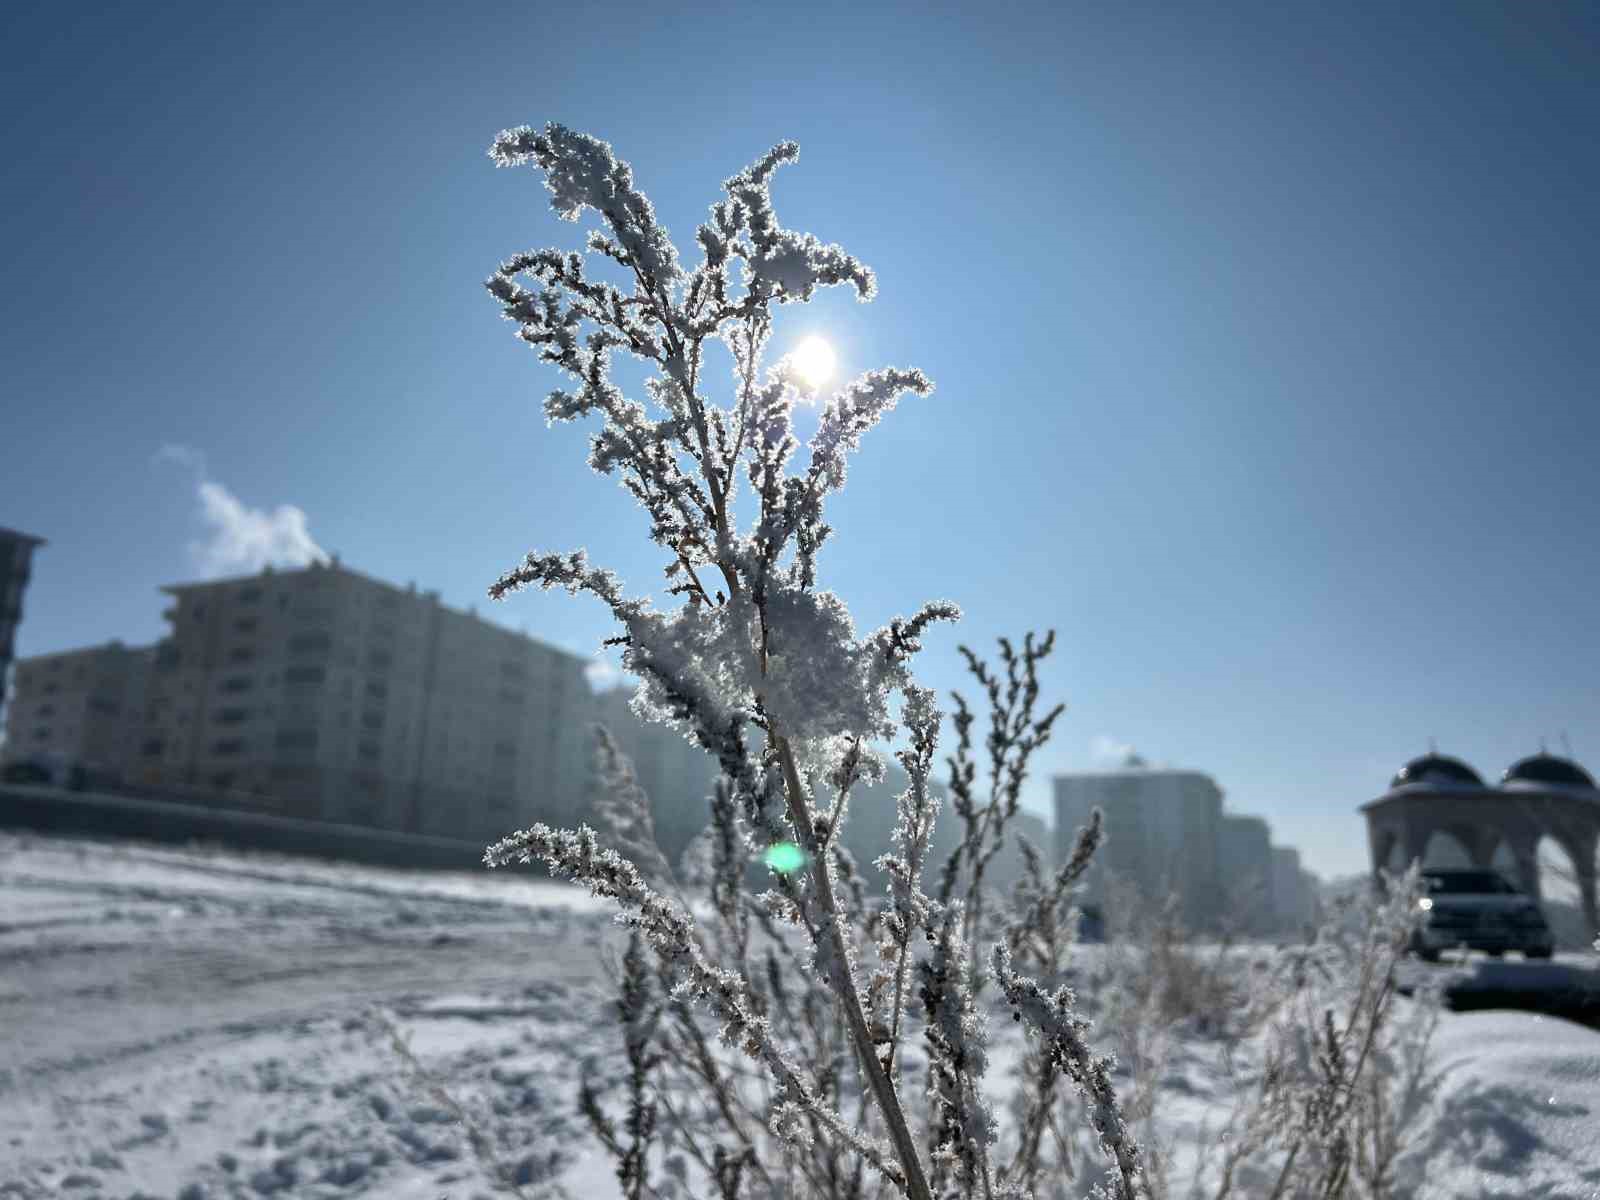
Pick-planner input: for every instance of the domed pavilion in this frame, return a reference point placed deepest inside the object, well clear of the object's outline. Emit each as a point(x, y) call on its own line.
point(1538, 796)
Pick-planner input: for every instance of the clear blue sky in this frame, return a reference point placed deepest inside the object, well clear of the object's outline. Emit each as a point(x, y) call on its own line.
point(1265, 336)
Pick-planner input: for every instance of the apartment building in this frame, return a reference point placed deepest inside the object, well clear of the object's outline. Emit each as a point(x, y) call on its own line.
point(1245, 854)
point(323, 693)
point(1161, 835)
point(16, 568)
point(79, 706)
point(504, 739)
point(1293, 898)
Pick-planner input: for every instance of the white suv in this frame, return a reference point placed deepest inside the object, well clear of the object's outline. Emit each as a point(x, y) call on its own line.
point(1480, 910)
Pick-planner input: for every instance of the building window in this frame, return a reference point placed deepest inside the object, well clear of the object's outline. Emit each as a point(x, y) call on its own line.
point(249, 595)
point(377, 690)
point(233, 716)
point(42, 734)
point(242, 655)
point(227, 747)
point(310, 643)
point(152, 748)
point(46, 710)
point(238, 683)
point(104, 705)
point(380, 660)
point(368, 751)
point(222, 780)
point(199, 611)
point(372, 720)
point(246, 625)
point(305, 675)
point(297, 739)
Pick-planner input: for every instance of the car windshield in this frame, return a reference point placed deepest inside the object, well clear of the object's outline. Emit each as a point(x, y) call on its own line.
point(1468, 882)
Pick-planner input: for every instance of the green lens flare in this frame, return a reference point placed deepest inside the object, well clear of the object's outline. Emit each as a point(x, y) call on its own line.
point(785, 857)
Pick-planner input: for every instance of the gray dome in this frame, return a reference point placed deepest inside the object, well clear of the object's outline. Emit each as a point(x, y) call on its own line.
point(1547, 768)
point(1437, 769)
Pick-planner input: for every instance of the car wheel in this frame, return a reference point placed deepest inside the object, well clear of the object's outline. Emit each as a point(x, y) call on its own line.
point(1545, 953)
point(1494, 953)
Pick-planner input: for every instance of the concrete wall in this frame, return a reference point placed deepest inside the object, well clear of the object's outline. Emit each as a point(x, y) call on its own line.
point(89, 814)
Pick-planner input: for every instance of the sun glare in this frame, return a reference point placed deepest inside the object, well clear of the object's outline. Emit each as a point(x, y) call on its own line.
point(813, 358)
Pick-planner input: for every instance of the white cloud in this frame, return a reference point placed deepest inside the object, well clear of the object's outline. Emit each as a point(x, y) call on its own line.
point(1108, 751)
point(241, 539)
point(184, 456)
point(602, 674)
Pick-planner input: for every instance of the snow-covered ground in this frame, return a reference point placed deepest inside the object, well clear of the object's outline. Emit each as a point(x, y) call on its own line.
point(188, 1024)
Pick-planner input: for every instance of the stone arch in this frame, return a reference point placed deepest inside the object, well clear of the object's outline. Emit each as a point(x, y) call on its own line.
point(1445, 848)
point(1558, 870)
point(1386, 851)
point(1502, 859)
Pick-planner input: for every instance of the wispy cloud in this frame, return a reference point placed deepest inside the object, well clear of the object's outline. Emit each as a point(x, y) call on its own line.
point(603, 674)
point(241, 539)
point(1108, 751)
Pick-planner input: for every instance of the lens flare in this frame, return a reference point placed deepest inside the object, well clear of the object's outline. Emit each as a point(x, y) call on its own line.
point(785, 858)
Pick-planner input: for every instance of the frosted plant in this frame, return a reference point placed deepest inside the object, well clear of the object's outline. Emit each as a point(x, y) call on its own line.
point(766, 673)
point(1341, 1080)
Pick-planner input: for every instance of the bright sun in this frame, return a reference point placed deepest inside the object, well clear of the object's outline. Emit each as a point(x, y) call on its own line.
point(813, 358)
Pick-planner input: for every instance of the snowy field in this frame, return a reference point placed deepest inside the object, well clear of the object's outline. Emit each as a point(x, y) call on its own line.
point(191, 1024)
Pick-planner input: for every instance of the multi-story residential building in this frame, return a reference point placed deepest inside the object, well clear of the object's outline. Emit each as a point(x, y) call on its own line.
point(80, 706)
point(320, 692)
point(504, 739)
point(1161, 835)
point(1292, 901)
point(16, 568)
point(1244, 853)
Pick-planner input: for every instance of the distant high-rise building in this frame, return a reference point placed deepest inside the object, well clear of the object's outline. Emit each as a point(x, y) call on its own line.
point(1244, 853)
point(1291, 901)
point(80, 706)
point(1161, 835)
point(16, 568)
